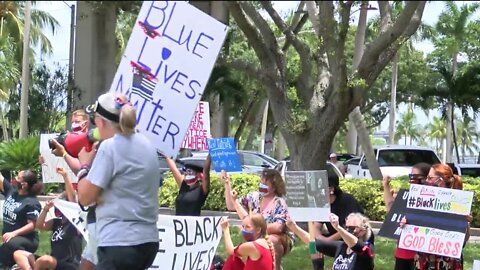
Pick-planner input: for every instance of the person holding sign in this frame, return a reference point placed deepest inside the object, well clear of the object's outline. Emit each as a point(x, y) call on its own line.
point(270, 202)
point(404, 258)
point(20, 212)
point(123, 181)
point(256, 253)
point(355, 252)
point(194, 187)
point(441, 175)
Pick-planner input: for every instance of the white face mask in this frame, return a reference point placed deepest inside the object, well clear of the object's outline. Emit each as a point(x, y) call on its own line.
point(78, 126)
point(189, 177)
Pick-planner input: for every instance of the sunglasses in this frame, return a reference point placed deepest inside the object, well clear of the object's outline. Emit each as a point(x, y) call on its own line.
point(416, 177)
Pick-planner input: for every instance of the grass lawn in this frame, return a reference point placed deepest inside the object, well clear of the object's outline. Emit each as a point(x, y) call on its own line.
point(298, 258)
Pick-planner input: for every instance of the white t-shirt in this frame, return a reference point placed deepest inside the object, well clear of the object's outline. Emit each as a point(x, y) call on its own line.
point(127, 169)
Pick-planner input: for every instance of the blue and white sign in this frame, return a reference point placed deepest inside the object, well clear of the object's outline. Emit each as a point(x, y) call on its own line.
point(166, 66)
point(224, 155)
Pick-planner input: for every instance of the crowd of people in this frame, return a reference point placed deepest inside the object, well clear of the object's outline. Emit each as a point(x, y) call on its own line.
point(120, 195)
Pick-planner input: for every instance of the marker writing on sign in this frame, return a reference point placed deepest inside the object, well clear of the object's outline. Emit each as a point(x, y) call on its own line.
point(194, 260)
point(203, 232)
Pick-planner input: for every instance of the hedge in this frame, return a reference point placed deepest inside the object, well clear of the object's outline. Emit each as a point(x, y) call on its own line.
point(368, 192)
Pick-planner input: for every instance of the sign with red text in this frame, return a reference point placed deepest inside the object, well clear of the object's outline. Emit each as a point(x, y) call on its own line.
point(432, 241)
point(199, 130)
point(445, 200)
point(187, 242)
point(165, 68)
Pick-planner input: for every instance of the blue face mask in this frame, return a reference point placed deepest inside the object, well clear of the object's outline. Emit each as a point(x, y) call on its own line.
point(262, 189)
point(248, 235)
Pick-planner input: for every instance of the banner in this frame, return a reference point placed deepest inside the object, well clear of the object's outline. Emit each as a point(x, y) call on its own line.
point(224, 155)
point(199, 130)
point(166, 66)
point(52, 162)
point(433, 241)
point(307, 195)
point(74, 214)
point(187, 242)
point(431, 219)
point(445, 200)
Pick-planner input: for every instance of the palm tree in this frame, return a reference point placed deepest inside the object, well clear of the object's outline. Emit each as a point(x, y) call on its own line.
point(11, 23)
point(437, 131)
point(407, 127)
point(468, 134)
point(452, 28)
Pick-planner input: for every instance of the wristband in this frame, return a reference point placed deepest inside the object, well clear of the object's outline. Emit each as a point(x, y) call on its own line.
point(312, 247)
point(64, 154)
point(83, 172)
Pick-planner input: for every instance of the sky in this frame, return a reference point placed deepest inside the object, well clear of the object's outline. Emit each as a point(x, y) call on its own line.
point(60, 40)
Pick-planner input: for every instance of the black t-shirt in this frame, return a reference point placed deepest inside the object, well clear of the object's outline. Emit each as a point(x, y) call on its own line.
point(360, 259)
point(344, 205)
point(189, 200)
point(18, 210)
point(66, 241)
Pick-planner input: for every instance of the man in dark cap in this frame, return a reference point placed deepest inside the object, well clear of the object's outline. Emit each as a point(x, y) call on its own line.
point(194, 186)
point(341, 204)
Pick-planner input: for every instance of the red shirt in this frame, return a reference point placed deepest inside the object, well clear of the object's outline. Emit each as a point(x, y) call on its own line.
point(404, 254)
point(265, 262)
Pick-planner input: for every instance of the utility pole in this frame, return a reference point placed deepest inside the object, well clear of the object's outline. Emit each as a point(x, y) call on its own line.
point(25, 73)
point(71, 83)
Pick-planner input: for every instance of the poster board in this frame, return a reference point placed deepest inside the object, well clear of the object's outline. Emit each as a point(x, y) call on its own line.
point(307, 195)
point(199, 130)
point(165, 68)
point(224, 155)
point(49, 173)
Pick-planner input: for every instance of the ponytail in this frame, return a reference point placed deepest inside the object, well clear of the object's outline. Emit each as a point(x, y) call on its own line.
point(272, 250)
point(128, 119)
point(457, 182)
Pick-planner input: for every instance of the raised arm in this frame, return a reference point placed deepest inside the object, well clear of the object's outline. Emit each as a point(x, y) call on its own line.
point(206, 175)
point(349, 239)
point(1, 183)
point(40, 223)
point(59, 151)
point(68, 185)
point(176, 173)
point(387, 193)
point(225, 178)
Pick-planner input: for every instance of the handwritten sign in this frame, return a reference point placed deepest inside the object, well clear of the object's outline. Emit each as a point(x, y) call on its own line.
point(445, 200)
point(166, 66)
point(187, 242)
point(199, 130)
point(224, 155)
point(52, 162)
point(433, 241)
point(444, 221)
point(74, 214)
point(307, 195)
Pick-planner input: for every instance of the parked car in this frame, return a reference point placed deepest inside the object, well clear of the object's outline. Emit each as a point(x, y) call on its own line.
point(394, 160)
point(472, 170)
point(283, 166)
point(252, 161)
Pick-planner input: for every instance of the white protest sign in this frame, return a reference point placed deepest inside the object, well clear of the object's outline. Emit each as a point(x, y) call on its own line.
point(476, 265)
point(199, 130)
point(307, 195)
point(52, 162)
point(187, 242)
point(433, 241)
point(74, 214)
point(445, 200)
point(166, 66)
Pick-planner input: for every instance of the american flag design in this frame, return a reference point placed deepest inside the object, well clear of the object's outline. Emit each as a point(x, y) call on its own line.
point(143, 86)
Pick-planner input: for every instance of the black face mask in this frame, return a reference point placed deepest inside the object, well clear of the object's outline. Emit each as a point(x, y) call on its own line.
point(350, 229)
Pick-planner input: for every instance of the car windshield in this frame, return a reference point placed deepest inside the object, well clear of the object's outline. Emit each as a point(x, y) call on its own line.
point(406, 157)
point(473, 172)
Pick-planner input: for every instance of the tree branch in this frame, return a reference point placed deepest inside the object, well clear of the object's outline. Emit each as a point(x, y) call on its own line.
point(385, 15)
point(328, 32)
point(251, 32)
point(313, 13)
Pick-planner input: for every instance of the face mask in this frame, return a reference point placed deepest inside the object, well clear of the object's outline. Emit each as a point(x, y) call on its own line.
point(262, 189)
point(190, 179)
point(76, 127)
point(248, 235)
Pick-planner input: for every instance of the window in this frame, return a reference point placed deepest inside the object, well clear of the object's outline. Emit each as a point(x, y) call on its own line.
point(252, 160)
point(406, 157)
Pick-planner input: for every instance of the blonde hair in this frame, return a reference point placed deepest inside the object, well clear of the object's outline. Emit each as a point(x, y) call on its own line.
point(128, 119)
point(81, 113)
point(364, 223)
point(259, 222)
point(118, 104)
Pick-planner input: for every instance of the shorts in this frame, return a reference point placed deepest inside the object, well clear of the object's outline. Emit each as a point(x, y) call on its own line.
point(90, 250)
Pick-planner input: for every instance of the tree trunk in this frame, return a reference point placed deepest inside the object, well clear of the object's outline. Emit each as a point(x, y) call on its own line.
point(4, 125)
point(243, 121)
point(263, 130)
point(25, 74)
point(393, 99)
point(255, 126)
point(454, 135)
point(372, 162)
point(280, 147)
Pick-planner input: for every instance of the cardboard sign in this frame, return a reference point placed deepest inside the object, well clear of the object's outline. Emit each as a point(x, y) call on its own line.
point(166, 66)
point(74, 214)
point(445, 200)
point(224, 155)
point(52, 162)
point(444, 221)
point(199, 130)
point(307, 195)
point(187, 242)
point(433, 241)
